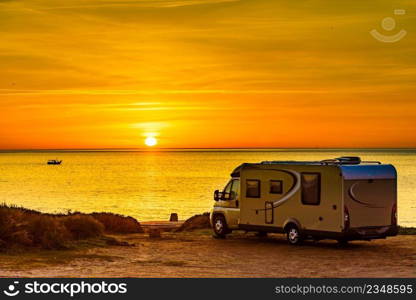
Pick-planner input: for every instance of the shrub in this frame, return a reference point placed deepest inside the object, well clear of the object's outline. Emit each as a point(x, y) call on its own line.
point(83, 226)
point(12, 228)
point(47, 232)
point(29, 228)
point(114, 223)
point(195, 222)
point(407, 230)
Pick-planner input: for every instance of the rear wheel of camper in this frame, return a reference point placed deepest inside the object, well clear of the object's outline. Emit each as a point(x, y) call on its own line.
point(220, 226)
point(293, 235)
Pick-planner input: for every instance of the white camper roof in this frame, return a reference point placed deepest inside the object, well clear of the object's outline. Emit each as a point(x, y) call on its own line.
point(351, 167)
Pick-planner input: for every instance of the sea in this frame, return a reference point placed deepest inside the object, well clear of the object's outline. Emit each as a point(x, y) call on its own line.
point(150, 185)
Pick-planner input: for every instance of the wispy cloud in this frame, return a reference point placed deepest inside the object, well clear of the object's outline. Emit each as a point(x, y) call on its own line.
point(201, 65)
point(129, 4)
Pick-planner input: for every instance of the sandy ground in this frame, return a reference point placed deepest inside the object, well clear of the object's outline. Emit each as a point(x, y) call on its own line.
point(197, 254)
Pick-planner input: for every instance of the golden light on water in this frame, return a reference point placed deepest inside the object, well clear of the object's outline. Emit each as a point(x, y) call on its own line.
point(150, 141)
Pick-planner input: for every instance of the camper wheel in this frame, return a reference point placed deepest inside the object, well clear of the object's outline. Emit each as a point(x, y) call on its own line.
point(293, 235)
point(220, 226)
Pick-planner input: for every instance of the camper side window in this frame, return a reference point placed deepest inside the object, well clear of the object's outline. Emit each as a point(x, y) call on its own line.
point(227, 191)
point(252, 188)
point(234, 189)
point(276, 187)
point(311, 188)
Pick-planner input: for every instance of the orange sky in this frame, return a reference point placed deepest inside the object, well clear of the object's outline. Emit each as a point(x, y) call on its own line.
point(195, 73)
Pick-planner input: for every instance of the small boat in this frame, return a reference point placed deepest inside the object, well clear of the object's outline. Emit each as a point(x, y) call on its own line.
point(54, 162)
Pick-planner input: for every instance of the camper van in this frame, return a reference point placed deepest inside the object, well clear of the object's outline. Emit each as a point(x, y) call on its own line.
point(343, 199)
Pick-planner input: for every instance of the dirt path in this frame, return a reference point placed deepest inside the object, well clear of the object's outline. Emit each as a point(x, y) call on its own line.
point(197, 254)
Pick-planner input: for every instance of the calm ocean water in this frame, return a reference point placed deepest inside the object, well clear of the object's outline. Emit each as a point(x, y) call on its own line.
point(151, 185)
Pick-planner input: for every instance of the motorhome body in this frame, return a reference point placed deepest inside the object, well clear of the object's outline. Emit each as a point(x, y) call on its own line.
point(343, 199)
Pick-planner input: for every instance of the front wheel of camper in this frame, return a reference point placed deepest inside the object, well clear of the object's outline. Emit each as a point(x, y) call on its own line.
point(220, 226)
point(293, 235)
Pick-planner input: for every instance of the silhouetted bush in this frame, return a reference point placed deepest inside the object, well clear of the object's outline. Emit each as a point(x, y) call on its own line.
point(114, 223)
point(83, 226)
point(12, 228)
point(21, 227)
point(407, 230)
point(195, 222)
point(47, 232)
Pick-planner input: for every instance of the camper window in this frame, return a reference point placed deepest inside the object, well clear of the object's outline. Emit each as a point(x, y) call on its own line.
point(234, 189)
point(253, 188)
point(276, 187)
point(227, 191)
point(311, 188)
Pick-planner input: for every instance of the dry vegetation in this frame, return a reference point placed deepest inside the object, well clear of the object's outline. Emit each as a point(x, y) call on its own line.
point(407, 230)
point(114, 223)
point(186, 252)
point(20, 227)
point(195, 222)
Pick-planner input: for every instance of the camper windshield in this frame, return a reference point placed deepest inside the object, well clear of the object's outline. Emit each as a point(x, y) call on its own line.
point(234, 189)
point(227, 188)
point(231, 190)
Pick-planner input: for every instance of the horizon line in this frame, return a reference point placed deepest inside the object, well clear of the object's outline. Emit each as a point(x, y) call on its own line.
point(123, 149)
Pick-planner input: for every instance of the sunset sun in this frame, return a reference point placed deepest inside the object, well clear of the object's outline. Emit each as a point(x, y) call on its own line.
point(150, 141)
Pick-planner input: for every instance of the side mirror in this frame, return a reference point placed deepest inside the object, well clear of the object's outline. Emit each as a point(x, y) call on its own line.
point(217, 195)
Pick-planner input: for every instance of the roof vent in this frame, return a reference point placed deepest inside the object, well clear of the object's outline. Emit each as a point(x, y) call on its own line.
point(349, 160)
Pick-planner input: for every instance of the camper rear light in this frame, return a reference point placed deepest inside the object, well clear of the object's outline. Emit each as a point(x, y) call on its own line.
point(394, 214)
point(346, 218)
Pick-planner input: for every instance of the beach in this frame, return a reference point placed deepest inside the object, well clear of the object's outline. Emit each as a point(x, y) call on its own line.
point(198, 254)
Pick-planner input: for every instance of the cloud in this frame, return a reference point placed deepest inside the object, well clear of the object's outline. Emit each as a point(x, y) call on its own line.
point(240, 45)
point(273, 63)
point(44, 5)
